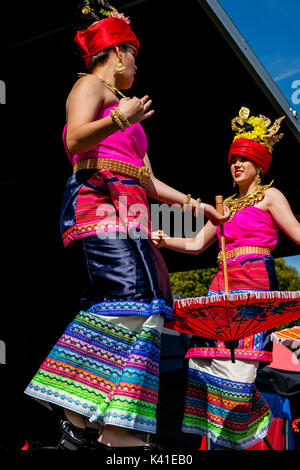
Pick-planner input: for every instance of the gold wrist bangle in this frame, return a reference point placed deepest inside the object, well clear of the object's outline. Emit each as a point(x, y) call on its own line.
point(187, 201)
point(198, 202)
point(122, 117)
point(117, 120)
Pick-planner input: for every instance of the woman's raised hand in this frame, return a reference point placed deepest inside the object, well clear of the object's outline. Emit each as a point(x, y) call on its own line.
point(136, 109)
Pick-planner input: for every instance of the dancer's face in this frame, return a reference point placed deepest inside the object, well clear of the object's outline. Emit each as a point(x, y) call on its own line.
point(242, 170)
point(126, 78)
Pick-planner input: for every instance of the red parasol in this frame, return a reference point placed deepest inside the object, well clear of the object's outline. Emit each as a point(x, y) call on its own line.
point(231, 317)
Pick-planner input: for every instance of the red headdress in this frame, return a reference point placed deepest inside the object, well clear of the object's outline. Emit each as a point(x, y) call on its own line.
point(254, 138)
point(103, 34)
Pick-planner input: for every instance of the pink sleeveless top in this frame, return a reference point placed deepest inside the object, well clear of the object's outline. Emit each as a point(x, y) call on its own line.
point(129, 146)
point(250, 226)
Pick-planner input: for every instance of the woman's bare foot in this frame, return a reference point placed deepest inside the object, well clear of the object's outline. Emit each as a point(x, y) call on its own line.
point(115, 436)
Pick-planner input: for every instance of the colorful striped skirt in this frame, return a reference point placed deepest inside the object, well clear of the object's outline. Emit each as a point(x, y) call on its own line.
point(106, 364)
point(222, 402)
point(106, 369)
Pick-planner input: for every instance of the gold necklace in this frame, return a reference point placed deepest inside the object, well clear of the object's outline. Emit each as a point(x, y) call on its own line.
point(236, 204)
point(113, 88)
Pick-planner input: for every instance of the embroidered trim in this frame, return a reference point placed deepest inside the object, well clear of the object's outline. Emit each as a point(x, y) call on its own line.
point(99, 228)
point(143, 309)
point(258, 355)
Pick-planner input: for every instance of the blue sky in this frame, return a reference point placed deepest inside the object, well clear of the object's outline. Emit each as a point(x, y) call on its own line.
point(271, 28)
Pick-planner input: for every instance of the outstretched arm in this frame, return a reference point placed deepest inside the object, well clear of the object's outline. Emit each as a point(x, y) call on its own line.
point(162, 192)
point(193, 246)
point(281, 212)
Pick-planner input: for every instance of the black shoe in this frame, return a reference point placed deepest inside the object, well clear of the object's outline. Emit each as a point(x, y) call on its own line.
point(82, 438)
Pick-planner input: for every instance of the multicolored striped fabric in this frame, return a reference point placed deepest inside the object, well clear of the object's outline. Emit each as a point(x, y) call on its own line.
point(128, 307)
point(231, 413)
point(103, 204)
point(222, 402)
point(105, 370)
point(242, 277)
point(289, 336)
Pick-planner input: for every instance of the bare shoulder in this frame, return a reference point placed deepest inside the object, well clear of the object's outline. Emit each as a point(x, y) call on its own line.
point(273, 192)
point(86, 95)
point(274, 196)
point(87, 84)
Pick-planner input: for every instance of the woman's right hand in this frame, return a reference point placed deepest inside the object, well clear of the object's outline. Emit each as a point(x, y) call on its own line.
point(136, 109)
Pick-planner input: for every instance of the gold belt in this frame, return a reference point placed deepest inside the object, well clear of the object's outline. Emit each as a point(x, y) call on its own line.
point(243, 250)
point(142, 174)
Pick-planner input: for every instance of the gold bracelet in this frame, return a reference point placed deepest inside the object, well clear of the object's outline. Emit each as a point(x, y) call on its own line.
point(117, 120)
point(122, 117)
point(161, 243)
point(186, 202)
point(198, 202)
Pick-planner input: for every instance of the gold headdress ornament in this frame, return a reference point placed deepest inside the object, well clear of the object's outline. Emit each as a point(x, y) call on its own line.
point(106, 10)
point(256, 128)
point(86, 10)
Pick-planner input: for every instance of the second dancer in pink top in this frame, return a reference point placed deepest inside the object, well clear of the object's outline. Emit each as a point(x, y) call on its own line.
point(222, 402)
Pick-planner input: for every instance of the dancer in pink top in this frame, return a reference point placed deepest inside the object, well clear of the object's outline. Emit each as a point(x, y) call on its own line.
point(104, 370)
point(222, 402)
point(129, 146)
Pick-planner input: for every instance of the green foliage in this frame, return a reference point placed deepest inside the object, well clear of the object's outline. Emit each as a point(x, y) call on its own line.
point(288, 277)
point(195, 283)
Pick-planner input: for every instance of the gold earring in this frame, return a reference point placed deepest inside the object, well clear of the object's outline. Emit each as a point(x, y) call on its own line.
point(233, 183)
point(120, 67)
point(257, 178)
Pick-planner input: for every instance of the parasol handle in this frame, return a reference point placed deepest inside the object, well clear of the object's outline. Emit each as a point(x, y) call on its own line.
point(220, 209)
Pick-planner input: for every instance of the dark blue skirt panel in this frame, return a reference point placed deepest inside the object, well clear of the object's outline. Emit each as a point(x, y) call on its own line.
point(123, 277)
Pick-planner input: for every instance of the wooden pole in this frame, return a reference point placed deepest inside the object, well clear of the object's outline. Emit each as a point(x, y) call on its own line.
point(220, 209)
